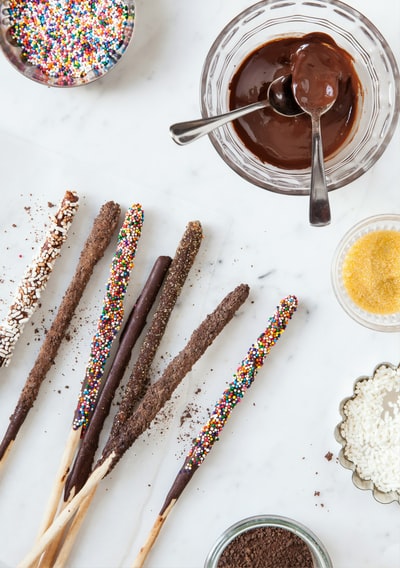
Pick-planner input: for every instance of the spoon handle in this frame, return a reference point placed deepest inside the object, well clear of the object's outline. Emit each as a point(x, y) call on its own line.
point(320, 213)
point(185, 132)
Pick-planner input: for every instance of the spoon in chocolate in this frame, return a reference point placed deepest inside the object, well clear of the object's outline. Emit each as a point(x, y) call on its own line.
point(315, 83)
point(279, 97)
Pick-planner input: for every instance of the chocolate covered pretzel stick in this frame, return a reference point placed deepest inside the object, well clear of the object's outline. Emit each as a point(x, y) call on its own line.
point(156, 396)
point(209, 434)
point(99, 238)
point(36, 277)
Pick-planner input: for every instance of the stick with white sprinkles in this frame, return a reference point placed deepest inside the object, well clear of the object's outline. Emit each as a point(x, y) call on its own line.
point(36, 277)
point(232, 395)
point(108, 325)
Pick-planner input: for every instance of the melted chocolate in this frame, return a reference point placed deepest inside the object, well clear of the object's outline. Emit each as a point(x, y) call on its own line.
point(285, 142)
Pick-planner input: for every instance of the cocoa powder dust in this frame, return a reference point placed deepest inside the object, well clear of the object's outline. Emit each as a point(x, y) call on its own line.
point(266, 547)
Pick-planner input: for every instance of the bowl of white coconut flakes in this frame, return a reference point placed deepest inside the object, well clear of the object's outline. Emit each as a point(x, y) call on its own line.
point(369, 433)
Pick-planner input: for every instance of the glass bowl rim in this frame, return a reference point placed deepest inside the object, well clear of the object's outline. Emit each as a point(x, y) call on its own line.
point(318, 549)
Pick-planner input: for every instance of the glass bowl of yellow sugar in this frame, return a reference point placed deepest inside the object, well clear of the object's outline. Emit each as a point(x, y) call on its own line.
point(366, 272)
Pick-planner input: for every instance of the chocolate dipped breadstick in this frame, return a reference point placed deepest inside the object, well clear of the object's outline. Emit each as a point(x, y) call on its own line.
point(93, 250)
point(36, 277)
point(133, 328)
point(182, 262)
point(209, 434)
point(156, 396)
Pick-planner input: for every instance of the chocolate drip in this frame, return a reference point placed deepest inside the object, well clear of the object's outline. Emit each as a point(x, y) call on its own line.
point(133, 328)
point(174, 281)
point(94, 248)
point(159, 393)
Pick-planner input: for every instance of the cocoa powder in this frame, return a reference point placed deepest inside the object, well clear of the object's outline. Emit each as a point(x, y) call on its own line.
point(266, 547)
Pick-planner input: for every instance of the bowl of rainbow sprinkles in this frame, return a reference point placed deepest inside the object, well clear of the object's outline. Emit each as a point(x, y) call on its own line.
point(65, 44)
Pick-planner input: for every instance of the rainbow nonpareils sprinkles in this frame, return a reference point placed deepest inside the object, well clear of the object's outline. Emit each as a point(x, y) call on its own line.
point(70, 39)
point(242, 380)
point(111, 316)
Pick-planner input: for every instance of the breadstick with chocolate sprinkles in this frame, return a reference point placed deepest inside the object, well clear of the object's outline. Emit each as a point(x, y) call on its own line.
point(132, 329)
point(108, 326)
point(182, 262)
point(36, 277)
point(93, 250)
point(232, 395)
point(155, 398)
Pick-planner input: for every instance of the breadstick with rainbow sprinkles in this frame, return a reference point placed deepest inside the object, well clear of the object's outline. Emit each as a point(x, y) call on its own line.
point(232, 395)
point(108, 325)
point(112, 314)
point(35, 279)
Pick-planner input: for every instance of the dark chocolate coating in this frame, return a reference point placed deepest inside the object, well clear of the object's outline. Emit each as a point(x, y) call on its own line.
point(99, 238)
point(133, 328)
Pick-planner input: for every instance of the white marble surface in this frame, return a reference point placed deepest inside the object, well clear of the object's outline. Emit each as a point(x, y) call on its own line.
point(110, 140)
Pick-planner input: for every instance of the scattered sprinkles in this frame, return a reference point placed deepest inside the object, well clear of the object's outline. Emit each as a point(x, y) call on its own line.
point(242, 380)
point(69, 38)
point(37, 274)
point(371, 428)
point(111, 316)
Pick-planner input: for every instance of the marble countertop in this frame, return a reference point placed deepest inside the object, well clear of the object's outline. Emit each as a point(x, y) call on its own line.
point(110, 140)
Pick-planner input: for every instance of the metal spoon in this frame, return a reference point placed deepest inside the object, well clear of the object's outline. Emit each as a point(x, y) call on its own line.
point(279, 97)
point(315, 88)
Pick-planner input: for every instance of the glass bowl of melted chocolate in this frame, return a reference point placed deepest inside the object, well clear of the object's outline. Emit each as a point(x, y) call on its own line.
point(259, 45)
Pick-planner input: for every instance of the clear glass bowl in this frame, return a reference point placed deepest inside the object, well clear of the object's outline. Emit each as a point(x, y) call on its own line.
point(318, 551)
point(385, 322)
point(373, 61)
point(13, 53)
point(359, 482)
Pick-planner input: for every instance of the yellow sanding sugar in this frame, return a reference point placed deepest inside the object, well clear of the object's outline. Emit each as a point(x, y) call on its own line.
point(371, 272)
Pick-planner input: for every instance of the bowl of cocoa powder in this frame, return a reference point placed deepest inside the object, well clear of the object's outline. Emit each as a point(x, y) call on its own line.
point(268, 541)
